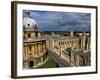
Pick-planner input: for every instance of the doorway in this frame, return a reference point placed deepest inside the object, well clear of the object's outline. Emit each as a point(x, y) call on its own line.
point(31, 64)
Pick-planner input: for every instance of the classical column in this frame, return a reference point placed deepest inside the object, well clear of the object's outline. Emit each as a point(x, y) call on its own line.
point(36, 49)
point(52, 43)
point(24, 52)
point(77, 60)
point(81, 40)
point(88, 43)
point(39, 35)
point(33, 35)
point(44, 47)
point(81, 43)
point(72, 58)
point(27, 52)
point(84, 39)
point(26, 35)
point(39, 48)
point(33, 49)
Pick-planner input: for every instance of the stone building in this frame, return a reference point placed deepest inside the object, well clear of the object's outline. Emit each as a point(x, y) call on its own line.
point(81, 58)
point(63, 42)
point(34, 47)
point(80, 54)
point(84, 40)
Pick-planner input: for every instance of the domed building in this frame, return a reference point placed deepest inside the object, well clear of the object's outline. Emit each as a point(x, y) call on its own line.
point(34, 51)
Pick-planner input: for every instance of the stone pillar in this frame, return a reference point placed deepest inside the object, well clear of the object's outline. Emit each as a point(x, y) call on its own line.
point(88, 43)
point(33, 50)
point(24, 54)
point(37, 49)
point(39, 34)
point(52, 43)
point(33, 35)
point(84, 40)
point(27, 52)
point(77, 60)
point(40, 48)
point(72, 57)
point(81, 42)
point(26, 36)
point(43, 47)
point(80, 39)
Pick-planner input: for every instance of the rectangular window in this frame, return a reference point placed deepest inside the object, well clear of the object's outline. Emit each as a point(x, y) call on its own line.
point(30, 47)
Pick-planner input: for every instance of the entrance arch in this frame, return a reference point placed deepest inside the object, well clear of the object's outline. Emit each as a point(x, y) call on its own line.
point(31, 64)
point(81, 61)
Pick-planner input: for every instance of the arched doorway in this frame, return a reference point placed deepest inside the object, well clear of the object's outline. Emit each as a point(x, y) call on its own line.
point(31, 64)
point(81, 61)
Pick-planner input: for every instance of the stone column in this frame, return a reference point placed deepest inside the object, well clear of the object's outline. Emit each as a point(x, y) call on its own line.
point(84, 40)
point(77, 60)
point(88, 43)
point(52, 43)
point(39, 35)
point(33, 50)
point(43, 47)
point(81, 43)
point(33, 35)
point(24, 54)
point(72, 59)
point(26, 36)
point(40, 48)
point(37, 49)
point(27, 52)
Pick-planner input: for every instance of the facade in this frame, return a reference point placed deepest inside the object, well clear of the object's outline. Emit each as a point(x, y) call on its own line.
point(63, 42)
point(79, 44)
point(84, 40)
point(34, 51)
point(81, 41)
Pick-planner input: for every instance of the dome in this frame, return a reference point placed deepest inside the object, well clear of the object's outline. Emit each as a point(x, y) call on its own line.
point(29, 22)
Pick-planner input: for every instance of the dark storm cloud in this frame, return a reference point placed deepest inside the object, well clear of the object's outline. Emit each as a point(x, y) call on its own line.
point(61, 21)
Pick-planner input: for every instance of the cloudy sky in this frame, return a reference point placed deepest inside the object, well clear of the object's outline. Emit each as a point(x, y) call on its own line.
point(61, 21)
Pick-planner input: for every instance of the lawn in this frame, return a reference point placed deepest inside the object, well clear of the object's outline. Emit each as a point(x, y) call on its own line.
point(68, 50)
point(49, 64)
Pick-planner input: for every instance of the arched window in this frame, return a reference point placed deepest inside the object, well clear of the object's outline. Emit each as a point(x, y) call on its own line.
point(31, 64)
point(29, 35)
point(30, 47)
